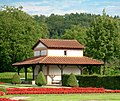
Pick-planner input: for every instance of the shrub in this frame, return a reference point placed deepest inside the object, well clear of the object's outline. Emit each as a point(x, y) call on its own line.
point(40, 80)
point(108, 82)
point(72, 81)
point(16, 79)
point(3, 89)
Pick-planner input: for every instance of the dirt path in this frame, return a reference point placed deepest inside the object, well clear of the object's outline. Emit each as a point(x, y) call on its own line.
point(19, 98)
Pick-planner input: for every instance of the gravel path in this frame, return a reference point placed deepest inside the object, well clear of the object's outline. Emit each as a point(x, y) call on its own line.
point(19, 98)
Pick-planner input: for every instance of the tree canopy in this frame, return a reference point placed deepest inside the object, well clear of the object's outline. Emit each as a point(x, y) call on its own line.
point(18, 33)
point(102, 39)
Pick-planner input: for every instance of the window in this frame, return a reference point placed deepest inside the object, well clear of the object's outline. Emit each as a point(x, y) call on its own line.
point(40, 53)
point(43, 52)
point(65, 52)
point(37, 53)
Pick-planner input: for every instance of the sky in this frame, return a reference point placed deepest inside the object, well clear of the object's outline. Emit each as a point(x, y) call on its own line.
point(61, 7)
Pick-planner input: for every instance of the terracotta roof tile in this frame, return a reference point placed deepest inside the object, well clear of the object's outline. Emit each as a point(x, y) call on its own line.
point(33, 60)
point(59, 43)
point(61, 60)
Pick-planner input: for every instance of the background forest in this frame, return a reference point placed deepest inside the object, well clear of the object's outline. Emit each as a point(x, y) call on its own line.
point(19, 31)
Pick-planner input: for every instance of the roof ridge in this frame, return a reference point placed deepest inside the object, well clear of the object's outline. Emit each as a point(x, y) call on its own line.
point(60, 39)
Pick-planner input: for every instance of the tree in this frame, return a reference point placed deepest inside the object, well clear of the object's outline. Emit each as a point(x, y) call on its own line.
point(16, 79)
point(102, 41)
point(18, 33)
point(72, 81)
point(75, 32)
point(55, 25)
point(40, 80)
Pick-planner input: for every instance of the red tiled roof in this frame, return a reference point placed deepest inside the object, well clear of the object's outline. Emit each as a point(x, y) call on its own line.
point(60, 60)
point(59, 43)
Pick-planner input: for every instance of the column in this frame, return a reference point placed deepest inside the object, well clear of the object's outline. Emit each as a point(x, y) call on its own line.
point(25, 73)
point(61, 67)
point(89, 70)
point(33, 70)
point(81, 69)
point(40, 68)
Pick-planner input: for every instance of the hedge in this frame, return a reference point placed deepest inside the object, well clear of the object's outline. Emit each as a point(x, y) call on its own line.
point(108, 82)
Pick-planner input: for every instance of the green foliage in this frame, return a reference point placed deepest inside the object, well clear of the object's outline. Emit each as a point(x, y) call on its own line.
point(40, 80)
point(108, 82)
point(17, 28)
point(75, 32)
point(3, 89)
point(16, 79)
point(102, 38)
point(72, 81)
point(57, 24)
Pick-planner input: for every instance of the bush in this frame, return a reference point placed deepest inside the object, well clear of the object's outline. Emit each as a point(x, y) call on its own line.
point(40, 80)
point(72, 81)
point(108, 82)
point(3, 89)
point(16, 79)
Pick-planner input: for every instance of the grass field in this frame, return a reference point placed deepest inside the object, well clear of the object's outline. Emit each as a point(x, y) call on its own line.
point(55, 97)
point(10, 75)
point(7, 76)
point(70, 97)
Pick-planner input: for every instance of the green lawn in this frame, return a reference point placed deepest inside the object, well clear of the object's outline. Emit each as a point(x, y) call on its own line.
point(55, 97)
point(10, 75)
point(7, 76)
point(70, 97)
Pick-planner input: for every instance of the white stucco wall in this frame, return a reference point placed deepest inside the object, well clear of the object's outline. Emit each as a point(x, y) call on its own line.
point(71, 53)
point(52, 52)
point(75, 53)
point(71, 69)
point(37, 67)
point(56, 72)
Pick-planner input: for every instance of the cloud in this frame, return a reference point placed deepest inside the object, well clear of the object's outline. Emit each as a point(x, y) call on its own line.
point(47, 7)
point(61, 7)
point(112, 7)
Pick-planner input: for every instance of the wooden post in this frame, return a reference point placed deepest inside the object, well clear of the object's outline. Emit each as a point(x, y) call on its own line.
point(61, 67)
point(19, 68)
point(81, 69)
point(89, 70)
point(25, 73)
point(40, 68)
point(33, 70)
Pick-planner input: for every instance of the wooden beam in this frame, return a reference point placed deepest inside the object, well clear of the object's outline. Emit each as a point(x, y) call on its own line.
point(40, 69)
point(89, 70)
point(61, 67)
point(33, 70)
point(25, 73)
point(19, 68)
point(47, 69)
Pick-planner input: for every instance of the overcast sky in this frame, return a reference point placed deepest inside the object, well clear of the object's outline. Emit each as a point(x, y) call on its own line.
point(46, 7)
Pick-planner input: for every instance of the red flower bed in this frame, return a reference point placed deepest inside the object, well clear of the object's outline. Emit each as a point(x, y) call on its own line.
point(54, 90)
point(7, 99)
point(112, 91)
point(1, 93)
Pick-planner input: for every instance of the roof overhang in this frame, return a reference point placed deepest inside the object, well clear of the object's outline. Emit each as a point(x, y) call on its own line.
point(52, 60)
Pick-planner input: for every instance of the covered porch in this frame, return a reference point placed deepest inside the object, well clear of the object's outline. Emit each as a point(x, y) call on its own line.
point(54, 67)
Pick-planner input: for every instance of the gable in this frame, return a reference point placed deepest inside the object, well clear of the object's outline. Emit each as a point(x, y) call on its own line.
point(40, 46)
